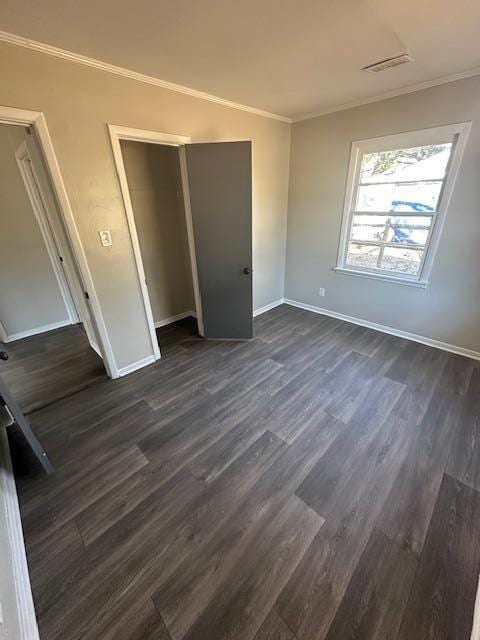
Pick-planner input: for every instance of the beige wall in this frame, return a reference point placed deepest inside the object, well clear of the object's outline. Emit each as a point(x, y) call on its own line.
point(154, 182)
point(77, 102)
point(449, 309)
point(30, 296)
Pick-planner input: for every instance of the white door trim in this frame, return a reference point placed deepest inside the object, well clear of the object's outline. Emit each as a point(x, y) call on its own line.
point(191, 238)
point(12, 115)
point(14, 547)
point(40, 209)
point(3, 334)
point(116, 134)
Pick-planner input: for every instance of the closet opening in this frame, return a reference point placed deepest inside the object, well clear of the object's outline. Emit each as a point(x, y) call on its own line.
point(154, 180)
point(188, 207)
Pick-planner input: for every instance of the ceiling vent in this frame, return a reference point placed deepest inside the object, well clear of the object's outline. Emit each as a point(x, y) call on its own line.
point(389, 62)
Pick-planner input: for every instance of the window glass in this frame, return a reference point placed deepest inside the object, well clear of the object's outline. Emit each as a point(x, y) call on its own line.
point(394, 206)
point(401, 260)
point(416, 197)
point(362, 255)
point(417, 163)
point(411, 230)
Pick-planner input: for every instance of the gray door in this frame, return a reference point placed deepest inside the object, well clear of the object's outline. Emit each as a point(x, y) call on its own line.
point(11, 413)
point(220, 183)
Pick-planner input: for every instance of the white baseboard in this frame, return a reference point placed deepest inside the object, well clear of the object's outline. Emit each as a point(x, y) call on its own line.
point(10, 337)
point(267, 307)
point(14, 552)
point(179, 316)
point(130, 368)
point(462, 351)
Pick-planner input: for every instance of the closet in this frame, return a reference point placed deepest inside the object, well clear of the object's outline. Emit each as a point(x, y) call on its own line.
point(155, 186)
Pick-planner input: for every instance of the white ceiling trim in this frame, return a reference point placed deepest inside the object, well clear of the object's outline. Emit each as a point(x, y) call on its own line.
point(42, 47)
point(392, 94)
point(128, 73)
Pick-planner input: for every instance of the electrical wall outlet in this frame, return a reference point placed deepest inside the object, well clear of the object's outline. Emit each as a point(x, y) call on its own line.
point(321, 292)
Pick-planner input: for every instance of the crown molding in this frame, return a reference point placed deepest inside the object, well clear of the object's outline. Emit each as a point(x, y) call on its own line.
point(41, 47)
point(133, 75)
point(392, 94)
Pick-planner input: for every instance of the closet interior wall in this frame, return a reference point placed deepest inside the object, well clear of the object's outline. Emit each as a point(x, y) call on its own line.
point(154, 182)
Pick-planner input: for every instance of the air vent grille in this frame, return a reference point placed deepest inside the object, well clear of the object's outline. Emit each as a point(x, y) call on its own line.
point(389, 62)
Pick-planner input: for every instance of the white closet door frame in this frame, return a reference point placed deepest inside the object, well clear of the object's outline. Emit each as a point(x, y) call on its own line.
point(3, 334)
point(118, 133)
point(38, 203)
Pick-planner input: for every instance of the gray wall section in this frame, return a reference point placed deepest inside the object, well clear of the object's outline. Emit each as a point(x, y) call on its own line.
point(449, 309)
point(30, 297)
point(154, 182)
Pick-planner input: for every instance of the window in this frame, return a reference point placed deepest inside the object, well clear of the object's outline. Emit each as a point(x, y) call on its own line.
point(397, 193)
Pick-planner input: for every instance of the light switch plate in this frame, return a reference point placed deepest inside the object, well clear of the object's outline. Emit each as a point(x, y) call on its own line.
point(105, 238)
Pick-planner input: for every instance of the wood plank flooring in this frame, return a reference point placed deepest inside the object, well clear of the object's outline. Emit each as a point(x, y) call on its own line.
point(49, 366)
point(318, 482)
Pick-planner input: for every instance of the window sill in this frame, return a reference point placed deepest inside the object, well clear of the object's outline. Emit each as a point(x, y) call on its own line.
point(419, 284)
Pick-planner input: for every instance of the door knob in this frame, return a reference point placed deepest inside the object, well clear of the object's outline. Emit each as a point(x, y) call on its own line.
point(3, 355)
point(247, 271)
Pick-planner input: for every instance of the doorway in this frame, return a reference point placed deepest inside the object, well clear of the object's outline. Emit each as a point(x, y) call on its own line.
point(216, 202)
point(87, 304)
point(38, 191)
point(156, 195)
point(46, 330)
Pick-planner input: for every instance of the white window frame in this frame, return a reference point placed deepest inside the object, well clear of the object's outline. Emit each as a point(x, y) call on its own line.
point(457, 134)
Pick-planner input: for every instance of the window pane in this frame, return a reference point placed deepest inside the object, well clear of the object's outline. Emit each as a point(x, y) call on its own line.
point(361, 255)
point(402, 229)
point(412, 197)
point(401, 260)
point(368, 227)
point(395, 203)
point(417, 163)
point(412, 231)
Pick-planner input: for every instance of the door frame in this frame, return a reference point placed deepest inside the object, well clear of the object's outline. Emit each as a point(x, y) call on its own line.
point(117, 133)
point(3, 334)
point(40, 210)
point(36, 119)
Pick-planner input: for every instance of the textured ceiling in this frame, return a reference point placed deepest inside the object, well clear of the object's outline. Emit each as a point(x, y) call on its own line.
point(289, 57)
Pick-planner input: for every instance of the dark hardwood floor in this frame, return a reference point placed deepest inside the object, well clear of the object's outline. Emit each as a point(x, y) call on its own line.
point(321, 481)
point(46, 367)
